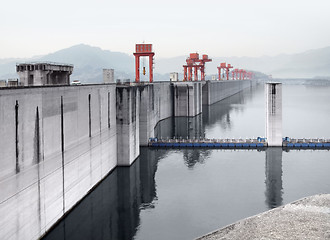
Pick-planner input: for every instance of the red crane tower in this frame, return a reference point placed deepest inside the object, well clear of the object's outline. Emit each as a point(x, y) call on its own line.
point(192, 61)
point(202, 62)
point(227, 70)
point(222, 66)
point(189, 66)
point(143, 50)
point(235, 73)
point(242, 74)
point(249, 75)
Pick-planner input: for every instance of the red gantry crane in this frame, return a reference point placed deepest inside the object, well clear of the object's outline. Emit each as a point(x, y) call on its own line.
point(235, 73)
point(224, 69)
point(143, 50)
point(192, 61)
point(249, 75)
point(222, 66)
point(205, 59)
point(242, 74)
point(227, 70)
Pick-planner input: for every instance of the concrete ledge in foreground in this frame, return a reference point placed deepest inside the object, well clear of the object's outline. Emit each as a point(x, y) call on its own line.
point(307, 218)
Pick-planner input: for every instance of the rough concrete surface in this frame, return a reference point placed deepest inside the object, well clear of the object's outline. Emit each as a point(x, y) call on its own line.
point(307, 218)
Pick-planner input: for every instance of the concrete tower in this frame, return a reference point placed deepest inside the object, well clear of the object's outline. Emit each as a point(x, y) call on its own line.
point(274, 114)
point(44, 73)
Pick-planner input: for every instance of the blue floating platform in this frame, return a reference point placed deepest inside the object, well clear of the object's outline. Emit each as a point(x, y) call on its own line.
point(169, 144)
point(326, 145)
point(319, 145)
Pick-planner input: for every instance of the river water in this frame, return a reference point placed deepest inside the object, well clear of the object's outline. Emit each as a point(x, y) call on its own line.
point(186, 193)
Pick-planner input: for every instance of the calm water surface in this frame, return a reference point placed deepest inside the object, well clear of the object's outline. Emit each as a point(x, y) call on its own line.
point(183, 194)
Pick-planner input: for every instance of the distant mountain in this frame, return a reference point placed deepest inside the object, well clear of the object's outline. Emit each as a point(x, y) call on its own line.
point(309, 64)
point(89, 61)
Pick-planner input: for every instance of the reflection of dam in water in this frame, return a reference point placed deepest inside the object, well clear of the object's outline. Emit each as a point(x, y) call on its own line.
point(273, 171)
point(112, 210)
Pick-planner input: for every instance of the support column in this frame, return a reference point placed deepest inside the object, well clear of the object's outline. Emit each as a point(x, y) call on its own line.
point(137, 68)
point(189, 73)
point(185, 73)
point(151, 74)
point(202, 73)
point(273, 93)
point(196, 73)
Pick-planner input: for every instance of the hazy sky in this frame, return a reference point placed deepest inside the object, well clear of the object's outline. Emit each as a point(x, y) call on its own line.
point(216, 28)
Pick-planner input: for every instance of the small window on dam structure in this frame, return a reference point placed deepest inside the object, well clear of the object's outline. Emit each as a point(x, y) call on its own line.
point(273, 89)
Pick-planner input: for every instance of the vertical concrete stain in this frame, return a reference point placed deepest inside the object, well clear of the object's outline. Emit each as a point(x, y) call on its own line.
point(36, 139)
point(89, 116)
point(16, 137)
point(62, 148)
point(100, 109)
point(109, 109)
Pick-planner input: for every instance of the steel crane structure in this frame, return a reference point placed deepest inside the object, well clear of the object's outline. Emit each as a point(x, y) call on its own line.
point(224, 69)
point(191, 63)
point(143, 50)
point(235, 73)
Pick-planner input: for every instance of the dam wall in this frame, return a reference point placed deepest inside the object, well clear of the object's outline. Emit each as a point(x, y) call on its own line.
point(58, 142)
point(127, 109)
point(215, 91)
point(156, 104)
point(187, 99)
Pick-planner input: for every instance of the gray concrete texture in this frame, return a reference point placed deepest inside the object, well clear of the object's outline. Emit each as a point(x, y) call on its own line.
point(215, 91)
point(308, 218)
point(39, 182)
point(273, 96)
point(156, 104)
point(128, 108)
point(38, 74)
point(187, 98)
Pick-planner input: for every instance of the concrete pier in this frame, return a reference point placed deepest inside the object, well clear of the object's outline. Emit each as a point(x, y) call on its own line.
point(273, 92)
point(307, 218)
point(156, 104)
point(128, 107)
point(187, 98)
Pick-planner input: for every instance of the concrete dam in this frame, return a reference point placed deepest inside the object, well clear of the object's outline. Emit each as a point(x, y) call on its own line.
point(58, 142)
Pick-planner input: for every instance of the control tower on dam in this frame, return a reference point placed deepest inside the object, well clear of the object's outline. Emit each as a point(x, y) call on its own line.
point(58, 142)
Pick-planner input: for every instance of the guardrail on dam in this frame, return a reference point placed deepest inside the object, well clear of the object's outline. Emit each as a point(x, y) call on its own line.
point(58, 142)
